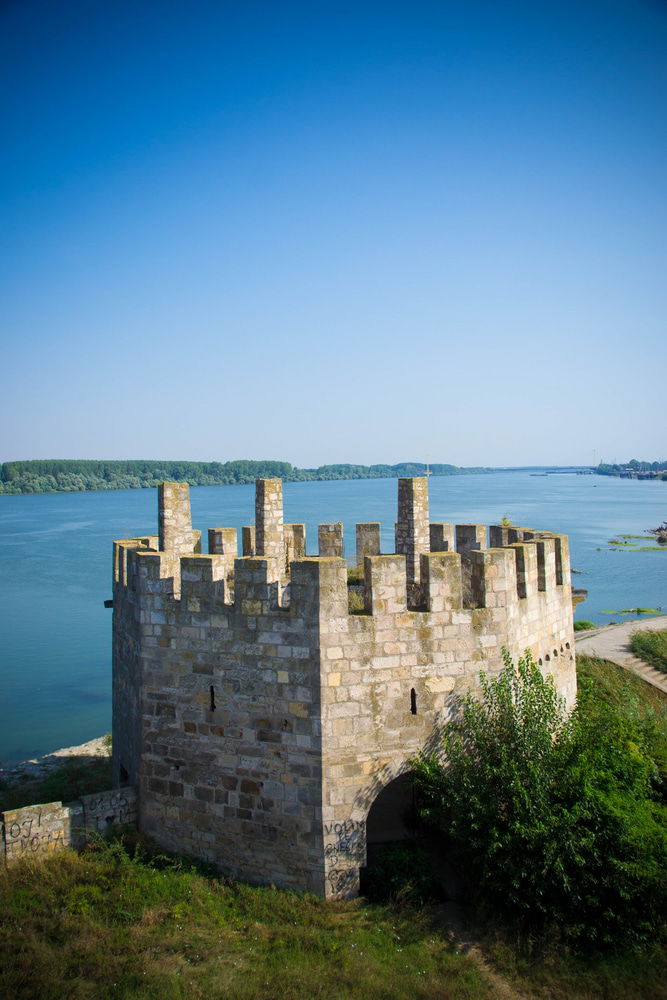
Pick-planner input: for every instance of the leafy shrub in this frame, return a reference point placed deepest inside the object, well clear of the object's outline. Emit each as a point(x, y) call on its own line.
point(400, 872)
point(553, 816)
point(584, 626)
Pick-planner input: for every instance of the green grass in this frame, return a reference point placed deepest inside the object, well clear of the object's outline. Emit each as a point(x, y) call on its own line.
point(628, 543)
point(627, 691)
point(651, 646)
point(616, 545)
point(356, 604)
point(74, 777)
point(106, 924)
point(633, 611)
point(552, 975)
point(114, 923)
point(110, 923)
point(621, 688)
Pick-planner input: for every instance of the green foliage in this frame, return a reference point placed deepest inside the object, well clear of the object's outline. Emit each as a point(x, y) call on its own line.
point(584, 626)
point(651, 646)
point(613, 469)
point(642, 705)
point(70, 475)
point(400, 873)
point(119, 923)
point(553, 817)
point(70, 780)
point(356, 604)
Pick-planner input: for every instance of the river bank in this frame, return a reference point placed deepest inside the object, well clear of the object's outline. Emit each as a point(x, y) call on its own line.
point(39, 767)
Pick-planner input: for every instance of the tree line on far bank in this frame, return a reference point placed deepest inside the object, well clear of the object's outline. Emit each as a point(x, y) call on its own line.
point(76, 475)
point(633, 466)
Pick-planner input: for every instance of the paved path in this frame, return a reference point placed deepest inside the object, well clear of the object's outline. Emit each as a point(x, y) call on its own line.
point(613, 643)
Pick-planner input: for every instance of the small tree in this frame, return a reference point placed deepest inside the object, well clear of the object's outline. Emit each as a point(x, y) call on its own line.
point(550, 815)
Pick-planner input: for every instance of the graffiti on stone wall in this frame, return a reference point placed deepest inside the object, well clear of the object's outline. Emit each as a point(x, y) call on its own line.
point(343, 881)
point(344, 852)
point(29, 836)
point(40, 829)
point(102, 810)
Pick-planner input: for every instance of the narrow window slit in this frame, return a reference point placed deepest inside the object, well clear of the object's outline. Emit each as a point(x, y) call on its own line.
point(212, 690)
point(413, 701)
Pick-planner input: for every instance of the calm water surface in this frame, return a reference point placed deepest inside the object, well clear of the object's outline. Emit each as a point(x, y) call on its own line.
point(55, 571)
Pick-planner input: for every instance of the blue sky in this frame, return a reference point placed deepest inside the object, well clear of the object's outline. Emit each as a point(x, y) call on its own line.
point(327, 232)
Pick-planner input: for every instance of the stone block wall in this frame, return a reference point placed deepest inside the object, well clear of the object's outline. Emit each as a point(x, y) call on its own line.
point(260, 718)
point(40, 829)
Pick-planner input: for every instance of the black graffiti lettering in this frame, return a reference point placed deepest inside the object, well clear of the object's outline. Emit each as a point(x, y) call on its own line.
point(349, 826)
point(342, 880)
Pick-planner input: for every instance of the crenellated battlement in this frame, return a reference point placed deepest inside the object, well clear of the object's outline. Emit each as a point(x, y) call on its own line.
point(258, 706)
point(517, 564)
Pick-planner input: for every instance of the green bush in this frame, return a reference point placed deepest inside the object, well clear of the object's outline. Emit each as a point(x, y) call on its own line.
point(400, 872)
point(553, 817)
point(584, 626)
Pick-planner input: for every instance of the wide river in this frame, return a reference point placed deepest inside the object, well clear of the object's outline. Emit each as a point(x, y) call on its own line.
point(55, 571)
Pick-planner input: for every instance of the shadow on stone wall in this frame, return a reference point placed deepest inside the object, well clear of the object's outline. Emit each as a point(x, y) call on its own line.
point(46, 827)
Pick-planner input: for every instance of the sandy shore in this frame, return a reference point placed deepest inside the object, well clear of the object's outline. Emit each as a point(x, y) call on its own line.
point(30, 770)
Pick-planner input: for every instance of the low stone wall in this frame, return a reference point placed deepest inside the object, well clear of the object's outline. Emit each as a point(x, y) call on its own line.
point(50, 826)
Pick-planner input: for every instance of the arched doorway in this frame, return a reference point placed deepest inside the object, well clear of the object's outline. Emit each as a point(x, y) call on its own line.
point(398, 844)
point(391, 826)
point(392, 816)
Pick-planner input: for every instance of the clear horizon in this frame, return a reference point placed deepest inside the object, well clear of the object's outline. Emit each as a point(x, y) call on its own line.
point(322, 233)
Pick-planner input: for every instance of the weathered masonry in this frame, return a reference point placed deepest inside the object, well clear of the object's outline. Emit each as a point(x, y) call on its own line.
point(36, 830)
point(260, 719)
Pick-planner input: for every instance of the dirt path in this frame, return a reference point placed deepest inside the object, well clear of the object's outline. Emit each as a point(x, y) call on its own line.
point(613, 643)
point(452, 918)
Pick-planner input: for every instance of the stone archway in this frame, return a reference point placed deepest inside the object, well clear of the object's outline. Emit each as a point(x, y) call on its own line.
point(393, 818)
point(392, 815)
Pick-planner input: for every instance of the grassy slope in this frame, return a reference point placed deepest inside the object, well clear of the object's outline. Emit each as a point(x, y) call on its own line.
point(651, 646)
point(106, 924)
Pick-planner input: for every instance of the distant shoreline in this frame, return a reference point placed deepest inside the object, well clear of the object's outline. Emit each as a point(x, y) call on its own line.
point(42, 476)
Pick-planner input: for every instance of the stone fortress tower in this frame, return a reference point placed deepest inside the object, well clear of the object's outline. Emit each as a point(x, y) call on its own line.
point(262, 722)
